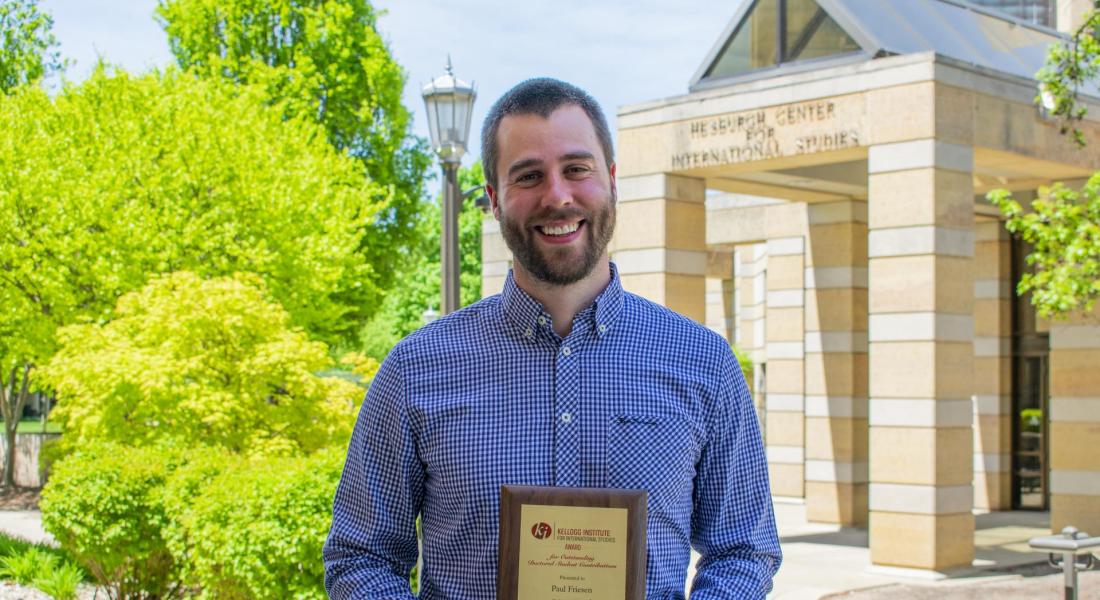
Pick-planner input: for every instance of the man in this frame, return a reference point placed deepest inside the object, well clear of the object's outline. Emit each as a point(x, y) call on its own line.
point(563, 379)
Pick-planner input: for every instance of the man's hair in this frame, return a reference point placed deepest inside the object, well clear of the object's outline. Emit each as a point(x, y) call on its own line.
point(541, 96)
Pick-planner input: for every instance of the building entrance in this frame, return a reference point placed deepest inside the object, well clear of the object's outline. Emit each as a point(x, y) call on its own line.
point(1030, 397)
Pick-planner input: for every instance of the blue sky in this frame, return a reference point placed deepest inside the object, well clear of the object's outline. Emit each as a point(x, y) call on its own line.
point(622, 51)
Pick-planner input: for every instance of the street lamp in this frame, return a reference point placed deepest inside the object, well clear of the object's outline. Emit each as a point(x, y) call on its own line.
point(450, 103)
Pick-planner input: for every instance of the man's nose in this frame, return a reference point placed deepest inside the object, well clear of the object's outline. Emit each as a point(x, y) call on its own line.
point(558, 191)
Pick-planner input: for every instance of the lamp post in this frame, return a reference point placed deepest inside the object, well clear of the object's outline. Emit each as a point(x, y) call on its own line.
point(450, 103)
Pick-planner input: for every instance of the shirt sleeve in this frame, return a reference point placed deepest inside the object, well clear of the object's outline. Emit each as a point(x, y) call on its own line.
point(372, 547)
point(733, 524)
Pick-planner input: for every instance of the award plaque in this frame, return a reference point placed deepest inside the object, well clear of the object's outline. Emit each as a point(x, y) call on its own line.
point(559, 543)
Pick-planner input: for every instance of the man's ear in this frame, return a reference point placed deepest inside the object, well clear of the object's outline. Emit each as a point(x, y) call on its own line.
point(614, 188)
point(493, 201)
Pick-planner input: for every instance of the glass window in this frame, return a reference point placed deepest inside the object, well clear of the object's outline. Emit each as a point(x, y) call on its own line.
point(1040, 12)
point(812, 33)
point(753, 45)
point(807, 32)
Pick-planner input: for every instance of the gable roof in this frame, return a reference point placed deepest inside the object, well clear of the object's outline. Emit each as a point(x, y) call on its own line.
point(950, 28)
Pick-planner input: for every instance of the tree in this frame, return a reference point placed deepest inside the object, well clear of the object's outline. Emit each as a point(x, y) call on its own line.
point(1063, 226)
point(26, 44)
point(324, 60)
point(418, 288)
point(1063, 229)
point(1069, 67)
point(196, 362)
point(121, 178)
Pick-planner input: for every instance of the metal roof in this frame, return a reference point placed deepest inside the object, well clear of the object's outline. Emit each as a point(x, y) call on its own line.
point(950, 28)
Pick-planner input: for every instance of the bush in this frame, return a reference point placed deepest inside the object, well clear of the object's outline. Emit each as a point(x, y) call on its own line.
point(156, 522)
point(255, 530)
point(199, 362)
point(104, 505)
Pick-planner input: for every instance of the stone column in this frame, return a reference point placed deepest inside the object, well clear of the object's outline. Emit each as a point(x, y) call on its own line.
point(496, 258)
point(1075, 423)
point(836, 363)
point(752, 261)
point(921, 330)
point(720, 293)
point(1071, 14)
point(783, 350)
point(992, 366)
point(660, 241)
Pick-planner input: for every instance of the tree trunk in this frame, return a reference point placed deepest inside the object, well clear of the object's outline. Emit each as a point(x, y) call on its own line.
point(13, 397)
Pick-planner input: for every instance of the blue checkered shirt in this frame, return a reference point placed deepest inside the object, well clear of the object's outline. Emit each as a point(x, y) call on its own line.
point(636, 396)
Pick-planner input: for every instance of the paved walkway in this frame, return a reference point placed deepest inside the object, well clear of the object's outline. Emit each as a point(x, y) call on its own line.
point(828, 561)
point(26, 524)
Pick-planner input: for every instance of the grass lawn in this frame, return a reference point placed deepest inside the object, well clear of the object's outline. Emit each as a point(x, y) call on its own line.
point(35, 426)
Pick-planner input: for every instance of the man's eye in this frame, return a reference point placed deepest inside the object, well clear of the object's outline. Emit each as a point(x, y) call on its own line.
point(577, 169)
point(528, 177)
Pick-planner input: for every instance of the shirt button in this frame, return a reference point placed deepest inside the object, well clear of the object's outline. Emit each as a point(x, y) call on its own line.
point(529, 332)
point(542, 320)
point(602, 328)
point(566, 417)
point(566, 351)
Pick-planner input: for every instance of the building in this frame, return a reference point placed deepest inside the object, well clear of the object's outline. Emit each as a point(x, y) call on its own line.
point(818, 198)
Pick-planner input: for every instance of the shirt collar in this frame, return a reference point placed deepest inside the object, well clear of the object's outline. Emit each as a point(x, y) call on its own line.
point(523, 311)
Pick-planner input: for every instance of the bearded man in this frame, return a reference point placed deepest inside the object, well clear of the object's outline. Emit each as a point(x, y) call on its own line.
point(563, 379)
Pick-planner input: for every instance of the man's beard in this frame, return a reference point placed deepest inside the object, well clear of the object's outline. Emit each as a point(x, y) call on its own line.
point(558, 266)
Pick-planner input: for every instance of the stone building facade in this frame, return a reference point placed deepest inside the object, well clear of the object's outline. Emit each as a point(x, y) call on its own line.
point(818, 198)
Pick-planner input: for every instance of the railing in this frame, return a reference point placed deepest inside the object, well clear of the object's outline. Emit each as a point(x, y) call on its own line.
point(1071, 552)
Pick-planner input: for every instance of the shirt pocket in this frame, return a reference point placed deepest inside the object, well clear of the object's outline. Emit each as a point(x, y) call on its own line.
point(655, 454)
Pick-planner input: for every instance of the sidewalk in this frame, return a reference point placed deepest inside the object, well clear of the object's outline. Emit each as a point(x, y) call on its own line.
point(26, 524)
point(827, 561)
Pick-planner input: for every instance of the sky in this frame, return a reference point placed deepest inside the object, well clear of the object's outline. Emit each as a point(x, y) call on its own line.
point(621, 51)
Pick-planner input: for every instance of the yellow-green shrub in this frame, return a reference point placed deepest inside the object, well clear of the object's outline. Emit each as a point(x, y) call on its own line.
point(255, 529)
point(104, 505)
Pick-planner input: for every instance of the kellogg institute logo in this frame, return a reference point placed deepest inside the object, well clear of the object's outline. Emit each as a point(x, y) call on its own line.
point(541, 531)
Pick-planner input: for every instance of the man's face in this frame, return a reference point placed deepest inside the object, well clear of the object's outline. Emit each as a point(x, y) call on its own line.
point(554, 195)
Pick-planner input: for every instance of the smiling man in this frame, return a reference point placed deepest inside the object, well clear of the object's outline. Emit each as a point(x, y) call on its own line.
point(563, 379)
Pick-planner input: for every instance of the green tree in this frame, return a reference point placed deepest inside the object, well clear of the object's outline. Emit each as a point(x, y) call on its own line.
point(324, 60)
point(199, 362)
point(27, 54)
point(1063, 225)
point(1070, 66)
point(418, 287)
point(27, 44)
point(121, 178)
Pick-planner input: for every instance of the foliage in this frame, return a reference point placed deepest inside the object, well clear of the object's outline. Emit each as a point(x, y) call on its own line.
point(1070, 66)
point(253, 528)
point(60, 583)
point(402, 312)
point(124, 177)
point(1063, 227)
point(42, 567)
point(744, 360)
point(25, 567)
point(27, 44)
point(201, 362)
point(326, 61)
point(103, 505)
point(182, 521)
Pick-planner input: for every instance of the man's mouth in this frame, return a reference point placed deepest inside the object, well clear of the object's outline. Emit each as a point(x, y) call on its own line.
point(559, 231)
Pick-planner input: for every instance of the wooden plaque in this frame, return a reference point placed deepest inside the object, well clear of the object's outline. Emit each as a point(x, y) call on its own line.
point(575, 543)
